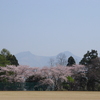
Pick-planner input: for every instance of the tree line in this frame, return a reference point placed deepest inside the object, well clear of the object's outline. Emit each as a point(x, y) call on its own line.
point(84, 76)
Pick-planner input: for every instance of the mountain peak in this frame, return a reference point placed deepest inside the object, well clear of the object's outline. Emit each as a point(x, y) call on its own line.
point(67, 52)
point(27, 58)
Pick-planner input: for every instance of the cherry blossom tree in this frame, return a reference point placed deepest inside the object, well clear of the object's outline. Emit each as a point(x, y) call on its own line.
point(12, 74)
point(79, 76)
point(34, 78)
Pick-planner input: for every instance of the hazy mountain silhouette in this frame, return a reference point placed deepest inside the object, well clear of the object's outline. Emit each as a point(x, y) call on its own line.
point(27, 58)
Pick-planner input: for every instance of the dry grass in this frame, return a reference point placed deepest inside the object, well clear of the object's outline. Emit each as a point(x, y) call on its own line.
point(49, 95)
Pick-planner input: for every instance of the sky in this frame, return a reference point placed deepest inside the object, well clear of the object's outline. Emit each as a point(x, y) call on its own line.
point(48, 27)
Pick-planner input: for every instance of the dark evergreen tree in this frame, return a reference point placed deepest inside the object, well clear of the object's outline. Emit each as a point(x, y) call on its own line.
point(92, 63)
point(4, 52)
point(71, 61)
point(88, 57)
point(3, 61)
point(93, 74)
point(12, 59)
point(6, 58)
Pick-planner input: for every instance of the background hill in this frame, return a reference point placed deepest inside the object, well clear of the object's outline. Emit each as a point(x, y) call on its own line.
point(27, 58)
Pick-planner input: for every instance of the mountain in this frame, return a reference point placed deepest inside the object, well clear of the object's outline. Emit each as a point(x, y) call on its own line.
point(27, 58)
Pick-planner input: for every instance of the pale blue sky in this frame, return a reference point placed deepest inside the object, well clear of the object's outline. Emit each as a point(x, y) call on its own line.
point(48, 27)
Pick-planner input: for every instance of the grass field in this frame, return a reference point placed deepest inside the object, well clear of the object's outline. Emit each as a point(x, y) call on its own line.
point(49, 95)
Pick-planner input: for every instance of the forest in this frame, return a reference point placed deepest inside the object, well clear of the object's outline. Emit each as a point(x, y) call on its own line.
point(84, 76)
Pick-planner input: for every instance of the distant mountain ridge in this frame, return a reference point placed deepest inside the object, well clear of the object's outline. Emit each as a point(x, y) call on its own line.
point(27, 58)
